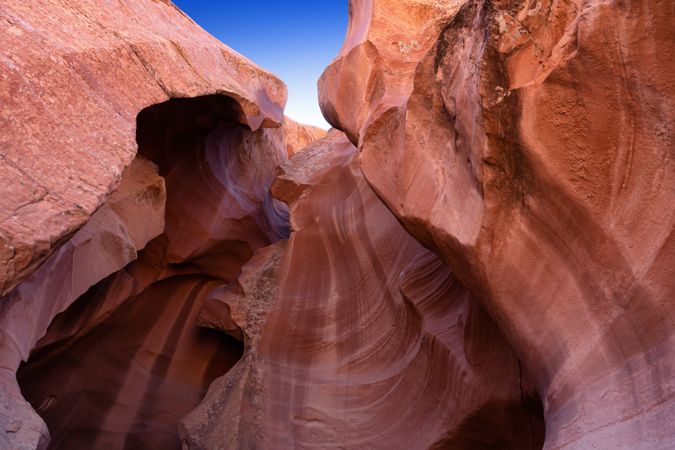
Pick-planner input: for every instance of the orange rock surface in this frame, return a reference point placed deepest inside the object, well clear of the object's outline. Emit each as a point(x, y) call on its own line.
point(530, 145)
point(299, 136)
point(84, 89)
point(356, 336)
point(480, 254)
point(74, 77)
point(129, 352)
point(131, 217)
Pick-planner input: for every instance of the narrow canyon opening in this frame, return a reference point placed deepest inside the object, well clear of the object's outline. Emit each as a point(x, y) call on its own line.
point(129, 379)
point(479, 254)
point(127, 360)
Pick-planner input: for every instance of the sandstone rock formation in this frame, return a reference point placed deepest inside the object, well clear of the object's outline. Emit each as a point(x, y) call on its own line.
point(132, 216)
point(77, 83)
point(298, 136)
point(356, 335)
point(530, 145)
point(129, 353)
point(479, 255)
point(74, 77)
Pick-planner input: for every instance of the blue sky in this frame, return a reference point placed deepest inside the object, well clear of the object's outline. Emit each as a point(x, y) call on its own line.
point(294, 39)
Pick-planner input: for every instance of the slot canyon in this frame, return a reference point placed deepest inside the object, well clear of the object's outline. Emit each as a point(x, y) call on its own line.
point(479, 253)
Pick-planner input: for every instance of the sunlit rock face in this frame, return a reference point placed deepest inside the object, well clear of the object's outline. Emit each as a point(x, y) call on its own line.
point(152, 202)
point(73, 78)
point(298, 136)
point(356, 335)
point(481, 258)
point(530, 145)
point(129, 353)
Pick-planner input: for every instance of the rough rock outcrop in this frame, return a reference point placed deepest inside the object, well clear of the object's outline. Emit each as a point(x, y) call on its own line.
point(356, 335)
point(132, 216)
point(299, 136)
point(487, 245)
point(73, 77)
point(83, 87)
point(530, 144)
point(129, 353)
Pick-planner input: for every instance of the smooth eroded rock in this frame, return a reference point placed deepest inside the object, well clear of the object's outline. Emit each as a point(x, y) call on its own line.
point(529, 144)
point(73, 77)
point(356, 335)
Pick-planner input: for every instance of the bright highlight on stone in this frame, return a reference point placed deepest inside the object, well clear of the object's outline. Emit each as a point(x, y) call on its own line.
point(479, 254)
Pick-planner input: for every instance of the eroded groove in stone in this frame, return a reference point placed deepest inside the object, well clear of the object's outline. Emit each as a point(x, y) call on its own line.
point(487, 243)
point(367, 339)
point(132, 216)
point(128, 380)
point(528, 143)
point(129, 353)
point(75, 75)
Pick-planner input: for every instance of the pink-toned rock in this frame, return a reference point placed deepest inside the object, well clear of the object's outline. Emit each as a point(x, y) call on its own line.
point(529, 144)
point(132, 216)
point(73, 80)
point(129, 352)
point(73, 77)
point(298, 135)
point(356, 336)
point(502, 234)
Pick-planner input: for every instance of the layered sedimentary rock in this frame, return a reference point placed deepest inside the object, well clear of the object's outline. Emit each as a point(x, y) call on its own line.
point(494, 227)
point(132, 216)
point(129, 353)
point(356, 335)
point(530, 144)
point(77, 84)
point(73, 77)
point(298, 135)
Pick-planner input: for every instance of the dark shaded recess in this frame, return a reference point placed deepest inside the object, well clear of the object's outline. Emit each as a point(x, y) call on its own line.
point(166, 131)
point(516, 425)
point(75, 385)
point(121, 376)
point(499, 426)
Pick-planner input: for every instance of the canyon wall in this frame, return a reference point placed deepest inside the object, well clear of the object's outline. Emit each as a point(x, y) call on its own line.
point(356, 335)
point(530, 144)
point(137, 154)
point(126, 361)
point(299, 136)
point(479, 255)
point(74, 77)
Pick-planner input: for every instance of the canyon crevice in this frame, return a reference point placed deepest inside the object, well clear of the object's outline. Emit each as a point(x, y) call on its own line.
point(389, 333)
point(479, 254)
point(521, 141)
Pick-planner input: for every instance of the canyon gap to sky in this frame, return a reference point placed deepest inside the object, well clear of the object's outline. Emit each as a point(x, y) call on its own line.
point(295, 40)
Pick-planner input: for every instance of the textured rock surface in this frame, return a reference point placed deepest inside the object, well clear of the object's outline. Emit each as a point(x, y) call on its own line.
point(132, 216)
point(503, 234)
point(126, 360)
point(531, 145)
point(356, 336)
point(129, 353)
point(298, 135)
point(73, 77)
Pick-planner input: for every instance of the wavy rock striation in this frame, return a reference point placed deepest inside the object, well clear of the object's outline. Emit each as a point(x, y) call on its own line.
point(529, 144)
point(492, 226)
point(129, 353)
point(357, 336)
point(98, 65)
point(85, 89)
